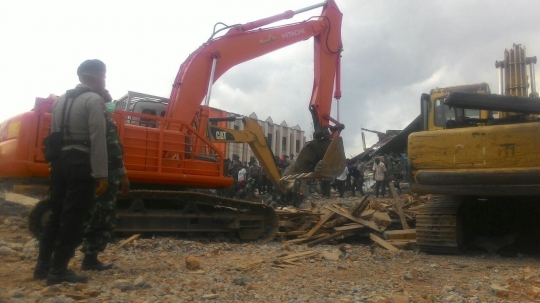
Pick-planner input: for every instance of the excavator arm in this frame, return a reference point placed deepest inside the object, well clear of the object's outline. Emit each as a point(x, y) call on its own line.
point(254, 137)
point(324, 155)
point(248, 41)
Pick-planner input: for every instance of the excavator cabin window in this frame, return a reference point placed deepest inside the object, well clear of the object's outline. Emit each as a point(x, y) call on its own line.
point(443, 113)
point(454, 117)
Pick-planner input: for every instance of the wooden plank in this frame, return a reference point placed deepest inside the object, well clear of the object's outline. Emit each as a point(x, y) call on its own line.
point(349, 227)
point(128, 240)
point(297, 256)
point(400, 234)
point(327, 238)
point(383, 219)
point(291, 233)
point(313, 254)
point(293, 256)
point(383, 243)
point(336, 222)
point(399, 209)
point(319, 225)
point(31, 189)
point(342, 220)
point(409, 204)
point(360, 207)
point(404, 245)
point(304, 239)
point(417, 197)
point(340, 211)
point(366, 214)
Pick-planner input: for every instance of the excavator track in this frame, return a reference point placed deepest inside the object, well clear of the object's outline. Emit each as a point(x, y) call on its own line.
point(197, 212)
point(438, 228)
point(186, 212)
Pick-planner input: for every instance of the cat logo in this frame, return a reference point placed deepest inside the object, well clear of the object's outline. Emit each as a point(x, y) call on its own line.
point(221, 135)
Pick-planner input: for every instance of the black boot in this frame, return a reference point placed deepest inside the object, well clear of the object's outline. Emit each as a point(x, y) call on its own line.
point(42, 270)
point(65, 275)
point(44, 258)
point(91, 262)
point(59, 272)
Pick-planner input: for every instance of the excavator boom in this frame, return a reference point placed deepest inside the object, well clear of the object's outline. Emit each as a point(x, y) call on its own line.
point(248, 41)
point(245, 42)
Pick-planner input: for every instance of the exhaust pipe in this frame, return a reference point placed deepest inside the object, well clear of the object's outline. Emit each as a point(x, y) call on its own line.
point(532, 61)
point(500, 66)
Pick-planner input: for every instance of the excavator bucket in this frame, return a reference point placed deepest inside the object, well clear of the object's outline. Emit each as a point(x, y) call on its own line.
point(320, 158)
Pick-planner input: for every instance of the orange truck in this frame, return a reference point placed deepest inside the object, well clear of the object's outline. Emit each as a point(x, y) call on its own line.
point(170, 154)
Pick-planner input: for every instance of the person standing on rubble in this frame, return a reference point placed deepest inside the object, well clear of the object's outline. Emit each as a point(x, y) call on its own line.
point(361, 165)
point(82, 163)
point(340, 182)
point(256, 175)
point(98, 230)
point(355, 178)
point(242, 175)
point(325, 188)
point(386, 162)
point(379, 171)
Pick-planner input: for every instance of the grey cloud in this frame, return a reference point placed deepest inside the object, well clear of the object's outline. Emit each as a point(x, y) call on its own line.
point(393, 52)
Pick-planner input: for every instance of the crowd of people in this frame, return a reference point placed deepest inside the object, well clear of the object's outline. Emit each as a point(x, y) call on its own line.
point(250, 176)
point(386, 169)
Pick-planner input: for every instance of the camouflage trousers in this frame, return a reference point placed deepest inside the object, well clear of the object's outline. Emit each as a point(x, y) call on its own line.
point(98, 230)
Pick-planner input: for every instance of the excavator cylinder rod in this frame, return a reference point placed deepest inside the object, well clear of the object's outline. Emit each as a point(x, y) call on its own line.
point(229, 119)
point(305, 9)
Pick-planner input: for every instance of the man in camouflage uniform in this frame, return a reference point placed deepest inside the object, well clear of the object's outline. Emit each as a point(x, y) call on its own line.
point(99, 228)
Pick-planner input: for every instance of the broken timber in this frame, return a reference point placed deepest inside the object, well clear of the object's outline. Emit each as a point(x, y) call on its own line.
point(319, 225)
point(407, 234)
point(128, 240)
point(295, 257)
point(340, 211)
point(349, 227)
point(327, 238)
point(383, 243)
point(399, 209)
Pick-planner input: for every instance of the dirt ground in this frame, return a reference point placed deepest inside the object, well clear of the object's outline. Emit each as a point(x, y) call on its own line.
point(155, 270)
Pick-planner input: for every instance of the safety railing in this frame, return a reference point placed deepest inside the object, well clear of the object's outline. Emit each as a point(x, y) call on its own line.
point(166, 145)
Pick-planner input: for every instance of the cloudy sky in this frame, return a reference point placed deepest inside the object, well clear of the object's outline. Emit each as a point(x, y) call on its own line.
point(393, 52)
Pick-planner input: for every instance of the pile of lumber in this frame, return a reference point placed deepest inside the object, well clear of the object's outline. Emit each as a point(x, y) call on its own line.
point(387, 222)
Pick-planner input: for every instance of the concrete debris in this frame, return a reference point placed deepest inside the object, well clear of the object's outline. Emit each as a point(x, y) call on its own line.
point(192, 263)
point(500, 291)
point(210, 297)
point(139, 282)
point(122, 284)
point(6, 251)
point(331, 256)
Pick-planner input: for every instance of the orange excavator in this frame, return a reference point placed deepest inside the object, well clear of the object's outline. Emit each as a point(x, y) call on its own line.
point(170, 157)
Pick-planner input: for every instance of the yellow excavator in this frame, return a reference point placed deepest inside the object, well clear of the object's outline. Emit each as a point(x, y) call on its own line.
point(479, 153)
point(320, 158)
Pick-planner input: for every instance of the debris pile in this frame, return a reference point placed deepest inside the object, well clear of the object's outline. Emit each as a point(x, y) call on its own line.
point(388, 222)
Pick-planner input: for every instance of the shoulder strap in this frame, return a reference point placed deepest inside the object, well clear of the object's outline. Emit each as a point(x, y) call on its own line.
point(71, 94)
point(63, 121)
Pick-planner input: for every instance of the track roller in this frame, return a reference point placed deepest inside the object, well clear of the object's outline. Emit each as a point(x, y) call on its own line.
point(438, 226)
